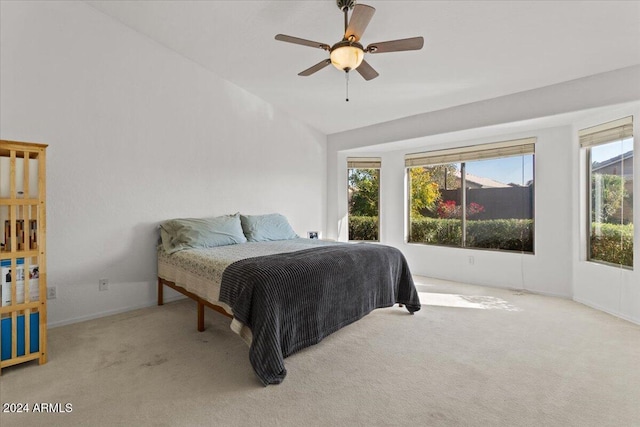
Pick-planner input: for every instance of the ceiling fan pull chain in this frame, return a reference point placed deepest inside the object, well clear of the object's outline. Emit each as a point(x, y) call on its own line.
point(346, 74)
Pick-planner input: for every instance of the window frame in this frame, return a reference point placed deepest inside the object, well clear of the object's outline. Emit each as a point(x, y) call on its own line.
point(589, 138)
point(463, 155)
point(364, 163)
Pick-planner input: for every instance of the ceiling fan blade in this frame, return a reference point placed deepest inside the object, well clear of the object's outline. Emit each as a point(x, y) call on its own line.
point(360, 18)
point(319, 66)
point(414, 43)
point(367, 71)
point(303, 42)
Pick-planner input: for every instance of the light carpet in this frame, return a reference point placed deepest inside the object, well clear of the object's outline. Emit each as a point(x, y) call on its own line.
point(473, 356)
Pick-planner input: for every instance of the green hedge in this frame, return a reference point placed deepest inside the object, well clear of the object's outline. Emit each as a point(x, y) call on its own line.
point(503, 234)
point(436, 231)
point(613, 243)
point(363, 228)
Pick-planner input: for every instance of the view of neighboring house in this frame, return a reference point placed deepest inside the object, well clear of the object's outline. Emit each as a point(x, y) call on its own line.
point(498, 200)
point(621, 165)
point(618, 165)
point(474, 181)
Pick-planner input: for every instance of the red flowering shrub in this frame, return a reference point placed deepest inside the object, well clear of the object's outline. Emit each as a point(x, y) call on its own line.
point(474, 208)
point(449, 209)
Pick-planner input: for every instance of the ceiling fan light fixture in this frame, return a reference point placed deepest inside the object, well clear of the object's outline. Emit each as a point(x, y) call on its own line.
point(346, 57)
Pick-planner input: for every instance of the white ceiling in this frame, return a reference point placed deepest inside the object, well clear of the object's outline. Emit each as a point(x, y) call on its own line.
point(473, 50)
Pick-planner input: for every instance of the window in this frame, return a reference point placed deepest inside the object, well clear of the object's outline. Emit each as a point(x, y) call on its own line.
point(364, 198)
point(609, 149)
point(473, 197)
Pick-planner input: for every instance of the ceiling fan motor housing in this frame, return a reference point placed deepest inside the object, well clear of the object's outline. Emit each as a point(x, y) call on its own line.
point(345, 3)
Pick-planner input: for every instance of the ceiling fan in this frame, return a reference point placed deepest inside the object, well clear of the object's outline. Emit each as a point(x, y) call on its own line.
point(348, 54)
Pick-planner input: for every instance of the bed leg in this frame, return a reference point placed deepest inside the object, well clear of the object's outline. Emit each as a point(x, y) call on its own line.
point(160, 292)
point(200, 316)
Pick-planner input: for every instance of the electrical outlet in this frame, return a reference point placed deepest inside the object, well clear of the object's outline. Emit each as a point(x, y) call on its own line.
point(103, 284)
point(51, 292)
point(471, 260)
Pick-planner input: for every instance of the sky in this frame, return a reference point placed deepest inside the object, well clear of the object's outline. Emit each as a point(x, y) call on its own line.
point(610, 150)
point(519, 169)
point(507, 170)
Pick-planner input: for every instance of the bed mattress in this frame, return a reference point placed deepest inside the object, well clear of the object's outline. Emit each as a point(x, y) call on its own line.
point(199, 271)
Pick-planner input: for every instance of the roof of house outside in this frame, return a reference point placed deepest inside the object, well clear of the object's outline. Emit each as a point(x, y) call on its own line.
point(621, 157)
point(484, 182)
point(625, 158)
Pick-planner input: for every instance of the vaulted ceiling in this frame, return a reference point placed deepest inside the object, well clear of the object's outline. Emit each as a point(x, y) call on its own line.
point(473, 50)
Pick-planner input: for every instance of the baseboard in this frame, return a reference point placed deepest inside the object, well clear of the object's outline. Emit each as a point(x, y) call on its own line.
point(547, 294)
point(509, 288)
point(608, 311)
point(92, 316)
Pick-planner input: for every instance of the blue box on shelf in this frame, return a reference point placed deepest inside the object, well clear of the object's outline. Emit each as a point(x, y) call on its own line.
point(5, 333)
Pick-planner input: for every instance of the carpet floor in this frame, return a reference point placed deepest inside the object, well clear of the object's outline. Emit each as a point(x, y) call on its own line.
point(473, 356)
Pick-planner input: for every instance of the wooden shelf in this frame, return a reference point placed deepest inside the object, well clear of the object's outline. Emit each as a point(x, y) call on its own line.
point(23, 269)
point(19, 202)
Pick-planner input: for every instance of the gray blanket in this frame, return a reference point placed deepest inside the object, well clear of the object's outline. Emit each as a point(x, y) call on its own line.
point(293, 300)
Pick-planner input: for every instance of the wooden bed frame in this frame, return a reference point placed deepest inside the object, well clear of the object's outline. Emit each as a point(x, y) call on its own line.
point(201, 302)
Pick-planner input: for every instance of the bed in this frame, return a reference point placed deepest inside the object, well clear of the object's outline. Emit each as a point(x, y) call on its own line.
point(283, 295)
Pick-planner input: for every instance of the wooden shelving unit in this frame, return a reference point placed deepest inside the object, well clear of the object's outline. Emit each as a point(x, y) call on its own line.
point(23, 272)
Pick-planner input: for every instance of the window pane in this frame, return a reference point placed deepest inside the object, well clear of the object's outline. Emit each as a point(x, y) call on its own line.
point(435, 216)
point(364, 204)
point(611, 215)
point(499, 203)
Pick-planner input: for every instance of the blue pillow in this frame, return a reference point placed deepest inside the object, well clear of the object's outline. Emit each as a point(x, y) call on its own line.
point(262, 228)
point(187, 233)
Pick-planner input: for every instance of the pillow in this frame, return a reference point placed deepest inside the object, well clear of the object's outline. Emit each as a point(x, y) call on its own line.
point(262, 228)
point(186, 233)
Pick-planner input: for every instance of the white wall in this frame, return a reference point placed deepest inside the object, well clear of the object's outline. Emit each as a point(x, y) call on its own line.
point(552, 115)
point(138, 134)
